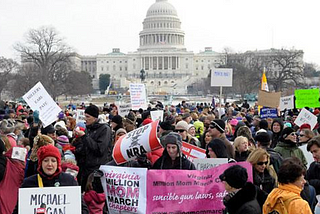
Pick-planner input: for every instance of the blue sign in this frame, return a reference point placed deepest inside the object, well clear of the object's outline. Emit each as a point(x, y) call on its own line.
point(268, 113)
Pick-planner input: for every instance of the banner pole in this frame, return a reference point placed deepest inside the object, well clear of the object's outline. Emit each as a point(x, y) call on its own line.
point(220, 102)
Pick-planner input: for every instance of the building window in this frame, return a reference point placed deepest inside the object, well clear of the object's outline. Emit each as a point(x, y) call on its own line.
point(114, 61)
point(196, 60)
point(120, 68)
point(114, 68)
point(125, 68)
point(197, 68)
point(147, 63)
point(187, 66)
point(107, 68)
point(201, 67)
point(120, 61)
point(160, 63)
point(134, 59)
point(174, 63)
point(166, 63)
point(107, 61)
point(154, 63)
point(101, 68)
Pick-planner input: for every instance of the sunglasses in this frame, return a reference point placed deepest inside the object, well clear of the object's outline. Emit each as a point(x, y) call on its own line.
point(179, 130)
point(293, 134)
point(261, 163)
point(301, 135)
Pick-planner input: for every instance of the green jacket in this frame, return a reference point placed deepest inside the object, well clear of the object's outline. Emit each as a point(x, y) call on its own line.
point(291, 150)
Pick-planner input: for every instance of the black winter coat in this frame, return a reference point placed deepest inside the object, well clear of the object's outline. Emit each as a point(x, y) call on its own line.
point(264, 181)
point(3, 162)
point(165, 162)
point(313, 176)
point(243, 202)
point(241, 156)
point(275, 159)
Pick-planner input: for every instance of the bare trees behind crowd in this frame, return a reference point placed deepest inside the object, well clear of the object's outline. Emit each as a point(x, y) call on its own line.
point(45, 57)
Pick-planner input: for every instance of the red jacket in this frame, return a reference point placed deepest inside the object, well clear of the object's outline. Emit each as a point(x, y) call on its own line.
point(95, 201)
point(155, 155)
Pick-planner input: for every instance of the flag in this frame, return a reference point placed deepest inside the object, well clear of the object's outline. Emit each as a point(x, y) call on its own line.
point(264, 83)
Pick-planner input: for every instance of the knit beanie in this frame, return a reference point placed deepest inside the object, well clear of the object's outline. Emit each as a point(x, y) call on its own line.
point(48, 130)
point(166, 125)
point(218, 147)
point(305, 126)
point(182, 125)
point(219, 124)
point(46, 151)
point(92, 110)
point(236, 176)
point(117, 119)
point(173, 138)
point(62, 140)
point(263, 138)
point(285, 132)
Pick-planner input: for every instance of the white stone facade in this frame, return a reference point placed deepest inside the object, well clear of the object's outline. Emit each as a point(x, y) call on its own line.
point(168, 66)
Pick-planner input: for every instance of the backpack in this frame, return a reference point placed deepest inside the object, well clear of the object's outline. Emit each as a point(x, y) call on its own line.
point(281, 206)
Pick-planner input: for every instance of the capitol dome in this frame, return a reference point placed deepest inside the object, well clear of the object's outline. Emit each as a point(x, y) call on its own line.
point(161, 28)
point(162, 7)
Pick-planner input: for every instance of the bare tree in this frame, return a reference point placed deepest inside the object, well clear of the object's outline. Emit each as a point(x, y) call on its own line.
point(45, 49)
point(7, 67)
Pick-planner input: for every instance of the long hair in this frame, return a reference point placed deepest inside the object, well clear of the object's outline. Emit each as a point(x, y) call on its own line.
point(256, 155)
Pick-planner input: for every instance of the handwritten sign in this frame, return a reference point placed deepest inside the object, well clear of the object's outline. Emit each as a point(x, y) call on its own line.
point(80, 116)
point(125, 189)
point(192, 152)
point(286, 102)
point(221, 77)
point(306, 116)
point(124, 109)
point(138, 96)
point(268, 113)
point(307, 98)
point(65, 199)
point(269, 99)
point(208, 163)
point(156, 115)
point(39, 99)
point(139, 141)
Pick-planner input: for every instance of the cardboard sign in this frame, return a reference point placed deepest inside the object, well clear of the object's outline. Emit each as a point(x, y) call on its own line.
point(125, 189)
point(268, 113)
point(208, 163)
point(188, 191)
point(286, 102)
point(39, 99)
point(156, 115)
point(64, 199)
point(19, 153)
point(138, 96)
point(80, 116)
point(192, 151)
point(306, 116)
point(221, 77)
point(124, 109)
point(307, 98)
point(269, 99)
point(136, 142)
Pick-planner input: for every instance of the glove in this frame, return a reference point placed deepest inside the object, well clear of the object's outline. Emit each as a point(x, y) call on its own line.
point(36, 116)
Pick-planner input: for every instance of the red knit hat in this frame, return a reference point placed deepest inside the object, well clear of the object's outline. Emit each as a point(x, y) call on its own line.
point(305, 126)
point(46, 151)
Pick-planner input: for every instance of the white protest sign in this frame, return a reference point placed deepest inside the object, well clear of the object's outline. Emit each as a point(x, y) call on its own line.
point(125, 189)
point(39, 99)
point(19, 153)
point(306, 116)
point(80, 116)
point(139, 141)
point(65, 199)
point(221, 77)
point(138, 96)
point(208, 163)
point(286, 102)
point(124, 109)
point(156, 115)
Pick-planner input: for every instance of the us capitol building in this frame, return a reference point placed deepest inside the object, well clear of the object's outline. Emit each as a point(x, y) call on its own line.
point(169, 67)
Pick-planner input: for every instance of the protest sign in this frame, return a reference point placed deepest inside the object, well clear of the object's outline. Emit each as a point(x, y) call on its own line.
point(190, 191)
point(208, 163)
point(307, 98)
point(286, 102)
point(306, 116)
point(39, 99)
point(269, 99)
point(192, 152)
point(268, 113)
point(80, 116)
point(125, 189)
point(124, 109)
point(62, 199)
point(156, 115)
point(138, 96)
point(221, 77)
point(19, 153)
point(139, 141)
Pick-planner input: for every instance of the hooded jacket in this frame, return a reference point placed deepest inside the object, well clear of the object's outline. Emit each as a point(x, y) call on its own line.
point(290, 195)
point(165, 162)
point(95, 201)
point(243, 202)
point(289, 149)
point(276, 136)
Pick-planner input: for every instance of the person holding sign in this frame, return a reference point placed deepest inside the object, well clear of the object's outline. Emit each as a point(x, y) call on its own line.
point(172, 156)
point(49, 172)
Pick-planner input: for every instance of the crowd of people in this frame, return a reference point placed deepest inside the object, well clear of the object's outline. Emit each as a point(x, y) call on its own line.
point(69, 153)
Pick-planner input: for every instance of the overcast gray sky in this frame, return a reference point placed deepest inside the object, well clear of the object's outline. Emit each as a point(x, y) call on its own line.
point(96, 26)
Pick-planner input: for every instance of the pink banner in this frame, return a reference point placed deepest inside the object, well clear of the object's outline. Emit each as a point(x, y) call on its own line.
point(177, 191)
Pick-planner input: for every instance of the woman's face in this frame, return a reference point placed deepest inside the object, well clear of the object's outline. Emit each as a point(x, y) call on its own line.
point(211, 153)
point(292, 137)
point(303, 137)
point(261, 164)
point(276, 127)
point(243, 146)
point(192, 131)
point(172, 150)
point(207, 138)
point(300, 182)
point(49, 165)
